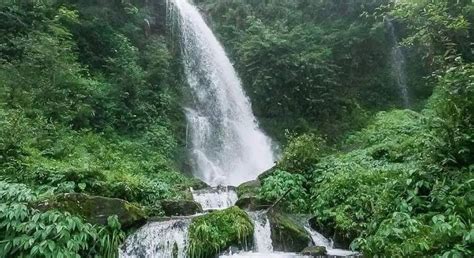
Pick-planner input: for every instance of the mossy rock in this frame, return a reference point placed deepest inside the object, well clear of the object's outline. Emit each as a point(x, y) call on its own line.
point(287, 234)
point(96, 209)
point(341, 239)
point(180, 207)
point(198, 184)
point(267, 173)
point(315, 251)
point(252, 203)
point(248, 189)
point(214, 232)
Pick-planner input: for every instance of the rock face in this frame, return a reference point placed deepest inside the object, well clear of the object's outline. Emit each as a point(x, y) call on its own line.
point(96, 209)
point(180, 207)
point(314, 251)
point(287, 235)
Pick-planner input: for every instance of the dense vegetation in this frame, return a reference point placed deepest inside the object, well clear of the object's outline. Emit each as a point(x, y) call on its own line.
point(90, 102)
point(403, 185)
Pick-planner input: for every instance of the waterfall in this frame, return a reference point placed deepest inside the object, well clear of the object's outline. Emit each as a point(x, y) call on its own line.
point(226, 145)
point(398, 64)
point(215, 198)
point(320, 240)
point(262, 235)
point(167, 239)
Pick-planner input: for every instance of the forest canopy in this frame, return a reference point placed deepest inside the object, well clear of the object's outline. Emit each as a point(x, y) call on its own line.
point(92, 97)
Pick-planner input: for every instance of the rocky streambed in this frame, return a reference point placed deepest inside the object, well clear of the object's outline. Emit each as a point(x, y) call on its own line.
point(228, 222)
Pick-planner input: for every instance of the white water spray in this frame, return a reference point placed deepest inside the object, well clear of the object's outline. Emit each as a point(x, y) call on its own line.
point(215, 198)
point(262, 239)
point(398, 65)
point(227, 146)
point(167, 239)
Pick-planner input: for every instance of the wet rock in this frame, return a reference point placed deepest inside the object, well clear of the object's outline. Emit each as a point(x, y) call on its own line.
point(248, 189)
point(252, 203)
point(198, 184)
point(267, 173)
point(95, 209)
point(341, 239)
point(287, 234)
point(180, 207)
point(248, 196)
point(314, 251)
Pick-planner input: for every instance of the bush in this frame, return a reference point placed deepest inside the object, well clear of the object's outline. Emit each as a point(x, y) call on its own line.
point(28, 232)
point(302, 153)
point(278, 183)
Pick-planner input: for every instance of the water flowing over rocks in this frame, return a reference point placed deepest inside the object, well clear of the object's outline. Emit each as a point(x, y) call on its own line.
point(227, 149)
point(215, 198)
point(165, 239)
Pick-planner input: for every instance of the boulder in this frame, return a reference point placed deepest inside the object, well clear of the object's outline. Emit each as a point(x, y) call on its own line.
point(249, 188)
point(315, 251)
point(267, 173)
point(180, 207)
point(248, 196)
point(287, 234)
point(95, 209)
point(252, 203)
point(218, 230)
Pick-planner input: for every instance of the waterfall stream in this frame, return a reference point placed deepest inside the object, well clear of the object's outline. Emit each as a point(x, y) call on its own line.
point(398, 64)
point(227, 146)
point(167, 239)
point(215, 198)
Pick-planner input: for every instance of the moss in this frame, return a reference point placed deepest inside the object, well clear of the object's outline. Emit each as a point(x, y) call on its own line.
point(211, 233)
point(287, 234)
point(180, 207)
point(248, 189)
point(95, 209)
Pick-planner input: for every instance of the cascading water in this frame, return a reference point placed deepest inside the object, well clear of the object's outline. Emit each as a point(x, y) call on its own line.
point(398, 64)
point(167, 239)
point(320, 240)
point(215, 198)
point(262, 234)
point(227, 146)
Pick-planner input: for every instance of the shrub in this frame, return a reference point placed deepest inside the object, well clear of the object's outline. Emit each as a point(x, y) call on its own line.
point(302, 153)
point(28, 232)
point(277, 184)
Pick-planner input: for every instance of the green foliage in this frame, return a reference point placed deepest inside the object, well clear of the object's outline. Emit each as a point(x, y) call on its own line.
point(302, 152)
point(442, 28)
point(88, 104)
point(277, 184)
point(214, 232)
point(28, 232)
point(453, 106)
point(390, 193)
point(310, 64)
